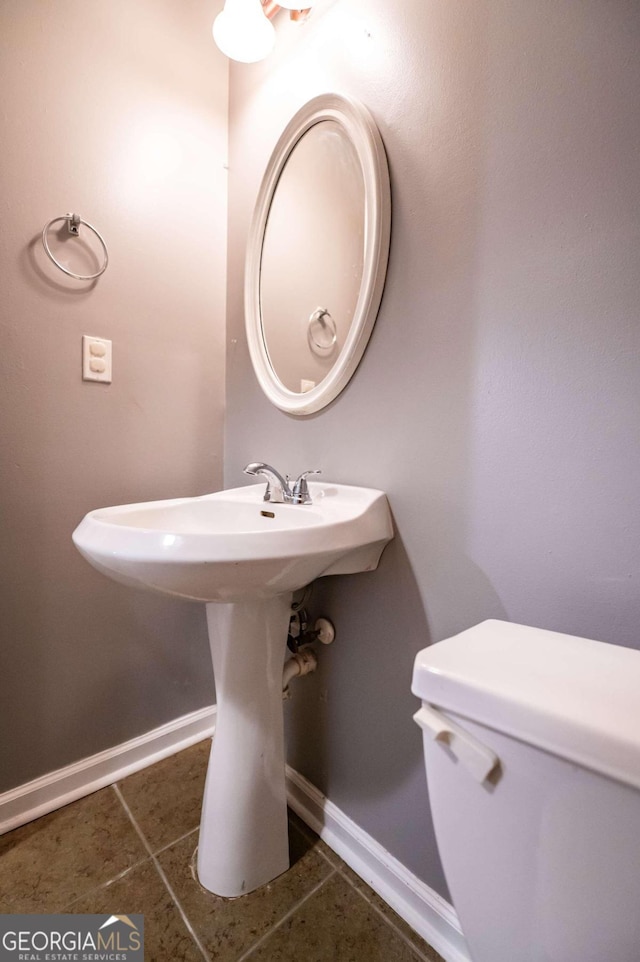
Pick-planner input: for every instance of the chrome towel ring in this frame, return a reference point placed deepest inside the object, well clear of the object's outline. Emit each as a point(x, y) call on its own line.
point(321, 332)
point(73, 223)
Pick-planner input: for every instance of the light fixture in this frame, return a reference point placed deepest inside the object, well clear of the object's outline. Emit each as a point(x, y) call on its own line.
point(296, 4)
point(243, 32)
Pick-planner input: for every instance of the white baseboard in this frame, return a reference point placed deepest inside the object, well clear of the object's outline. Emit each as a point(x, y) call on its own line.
point(423, 909)
point(52, 791)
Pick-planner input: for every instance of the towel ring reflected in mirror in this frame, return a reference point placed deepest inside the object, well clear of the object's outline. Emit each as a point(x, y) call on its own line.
point(321, 332)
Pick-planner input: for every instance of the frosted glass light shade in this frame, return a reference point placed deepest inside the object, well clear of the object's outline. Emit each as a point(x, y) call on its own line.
point(243, 32)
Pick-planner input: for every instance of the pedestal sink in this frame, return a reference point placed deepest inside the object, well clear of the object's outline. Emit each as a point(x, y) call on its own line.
point(243, 557)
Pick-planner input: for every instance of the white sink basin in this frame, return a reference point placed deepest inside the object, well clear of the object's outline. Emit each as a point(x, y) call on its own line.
point(232, 545)
point(244, 557)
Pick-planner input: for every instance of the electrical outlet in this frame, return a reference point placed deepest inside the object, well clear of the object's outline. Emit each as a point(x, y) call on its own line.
point(96, 359)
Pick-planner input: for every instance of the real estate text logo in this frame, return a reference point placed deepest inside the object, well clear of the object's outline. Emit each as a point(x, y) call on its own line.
point(71, 938)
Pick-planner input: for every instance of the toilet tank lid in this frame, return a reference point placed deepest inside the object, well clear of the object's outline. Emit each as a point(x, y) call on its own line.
point(576, 698)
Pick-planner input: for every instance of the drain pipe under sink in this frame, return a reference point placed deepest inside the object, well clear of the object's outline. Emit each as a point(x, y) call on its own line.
point(302, 663)
point(304, 659)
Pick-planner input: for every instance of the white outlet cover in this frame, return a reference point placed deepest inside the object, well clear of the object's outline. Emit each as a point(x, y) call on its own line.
point(96, 359)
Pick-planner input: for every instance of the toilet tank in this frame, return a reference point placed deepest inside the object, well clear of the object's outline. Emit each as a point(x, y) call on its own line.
point(532, 750)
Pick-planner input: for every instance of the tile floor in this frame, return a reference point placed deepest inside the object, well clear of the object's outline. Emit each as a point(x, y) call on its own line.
point(129, 848)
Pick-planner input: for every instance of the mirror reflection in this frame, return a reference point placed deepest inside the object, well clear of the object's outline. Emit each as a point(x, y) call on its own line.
point(317, 254)
point(312, 256)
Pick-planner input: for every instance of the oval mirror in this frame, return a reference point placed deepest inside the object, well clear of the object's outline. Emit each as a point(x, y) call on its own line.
point(317, 254)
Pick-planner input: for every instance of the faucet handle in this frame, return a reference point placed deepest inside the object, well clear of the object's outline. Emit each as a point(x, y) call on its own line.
point(301, 489)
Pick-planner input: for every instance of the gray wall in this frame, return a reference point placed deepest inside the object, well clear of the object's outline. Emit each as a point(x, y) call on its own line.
point(118, 111)
point(498, 402)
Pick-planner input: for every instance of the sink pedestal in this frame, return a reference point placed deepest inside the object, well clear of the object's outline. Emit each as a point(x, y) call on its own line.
point(243, 831)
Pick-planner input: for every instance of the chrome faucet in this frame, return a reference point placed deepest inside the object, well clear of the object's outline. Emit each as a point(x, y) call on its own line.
point(278, 490)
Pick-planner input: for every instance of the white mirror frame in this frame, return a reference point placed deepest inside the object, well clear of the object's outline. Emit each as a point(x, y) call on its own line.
point(361, 129)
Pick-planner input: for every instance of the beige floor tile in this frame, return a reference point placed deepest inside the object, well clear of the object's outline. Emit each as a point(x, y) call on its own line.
point(87, 857)
point(228, 927)
point(49, 862)
point(166, 798)
point(319, 845)
point(334, 925)
point(141, 890)
point(423, 947)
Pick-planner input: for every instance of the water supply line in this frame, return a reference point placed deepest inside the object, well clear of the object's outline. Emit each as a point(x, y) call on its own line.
point(304, 660)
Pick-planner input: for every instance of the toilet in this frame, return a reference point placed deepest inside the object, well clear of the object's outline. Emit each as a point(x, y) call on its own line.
point(532, 752)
